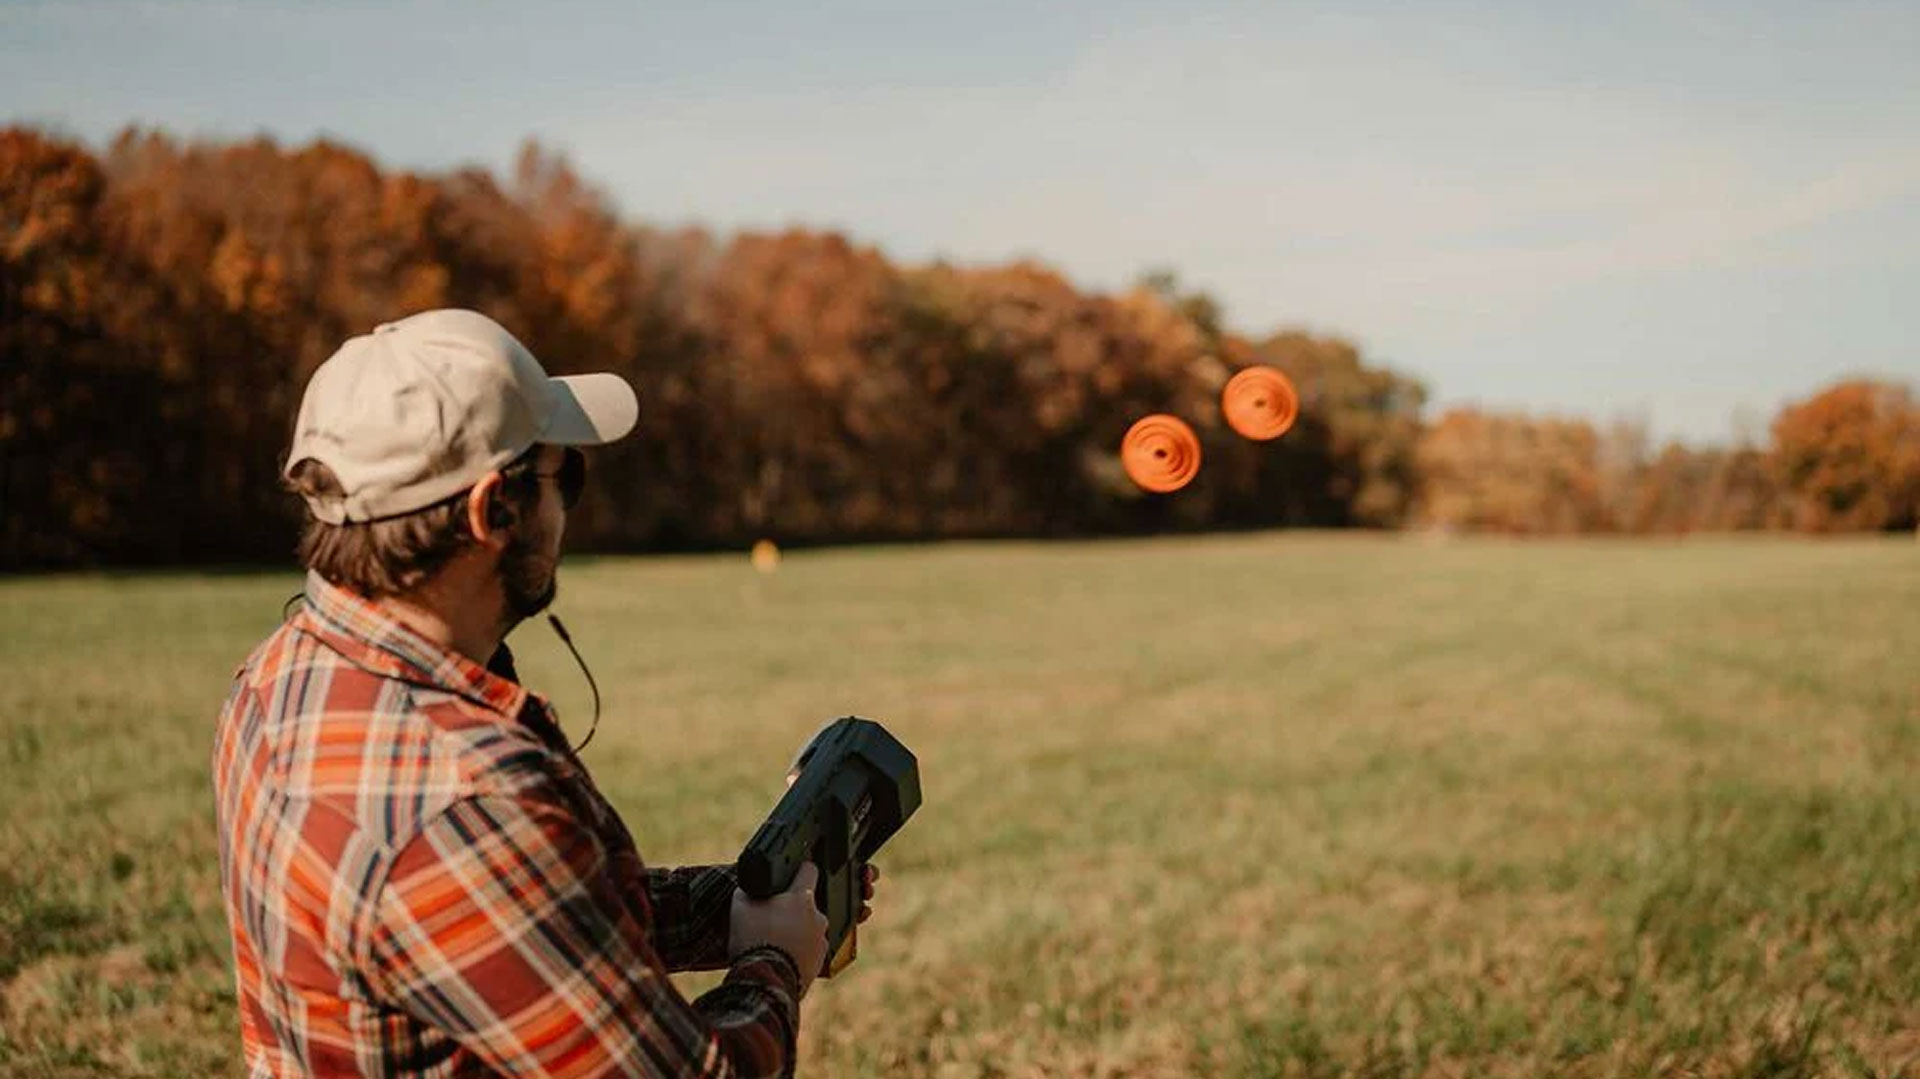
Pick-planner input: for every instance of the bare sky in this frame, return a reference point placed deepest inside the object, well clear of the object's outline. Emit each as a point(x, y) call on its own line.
point(1682, 212)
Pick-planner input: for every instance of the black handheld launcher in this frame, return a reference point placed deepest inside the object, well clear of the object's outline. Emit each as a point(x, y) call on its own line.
point(855, 786)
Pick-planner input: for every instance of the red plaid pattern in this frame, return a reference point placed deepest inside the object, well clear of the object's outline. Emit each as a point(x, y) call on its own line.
point(421, 879)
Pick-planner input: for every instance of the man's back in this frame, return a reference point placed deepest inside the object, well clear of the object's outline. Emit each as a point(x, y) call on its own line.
point(420, 876)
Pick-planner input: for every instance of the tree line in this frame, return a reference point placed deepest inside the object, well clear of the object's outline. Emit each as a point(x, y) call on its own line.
point(163, 302)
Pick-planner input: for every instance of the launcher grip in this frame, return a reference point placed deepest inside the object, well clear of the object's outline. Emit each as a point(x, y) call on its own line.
point(856, 784)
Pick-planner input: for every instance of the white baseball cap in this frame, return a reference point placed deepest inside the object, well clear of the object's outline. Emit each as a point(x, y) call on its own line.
point(420, 409)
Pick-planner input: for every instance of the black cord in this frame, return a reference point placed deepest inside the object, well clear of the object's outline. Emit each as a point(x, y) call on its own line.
point(566, 639)
point(286, 612)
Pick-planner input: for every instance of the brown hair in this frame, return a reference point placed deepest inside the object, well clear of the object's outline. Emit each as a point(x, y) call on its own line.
point(394, 555)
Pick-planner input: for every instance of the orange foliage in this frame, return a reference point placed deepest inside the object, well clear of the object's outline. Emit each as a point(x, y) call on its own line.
point(1511, 474)
point(162, 304)
point(1849, 458)
point(165, 302)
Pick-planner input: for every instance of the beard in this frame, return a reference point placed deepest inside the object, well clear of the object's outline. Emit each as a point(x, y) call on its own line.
point(528, 578)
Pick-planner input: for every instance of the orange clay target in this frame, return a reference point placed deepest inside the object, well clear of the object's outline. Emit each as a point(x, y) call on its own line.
point(1161, 453)
point(1260, 403)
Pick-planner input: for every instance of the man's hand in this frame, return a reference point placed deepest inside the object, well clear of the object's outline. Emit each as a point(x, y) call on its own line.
point(789, 921)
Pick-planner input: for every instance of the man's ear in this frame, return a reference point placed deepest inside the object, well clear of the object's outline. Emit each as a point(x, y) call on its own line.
point(488, 515)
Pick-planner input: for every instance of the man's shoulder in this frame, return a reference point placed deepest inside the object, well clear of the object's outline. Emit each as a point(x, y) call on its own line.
point(389, 752)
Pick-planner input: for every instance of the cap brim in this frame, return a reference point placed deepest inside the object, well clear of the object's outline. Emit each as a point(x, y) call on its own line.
point(590, 410)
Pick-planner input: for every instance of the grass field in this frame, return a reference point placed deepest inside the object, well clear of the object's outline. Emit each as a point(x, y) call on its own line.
point(1250, 805)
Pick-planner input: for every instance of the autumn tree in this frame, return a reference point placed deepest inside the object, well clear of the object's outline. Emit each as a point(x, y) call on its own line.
point(165, 302)
point(1848, 458)
point(1510, 473)
point(1353, 458)
point(61, 421)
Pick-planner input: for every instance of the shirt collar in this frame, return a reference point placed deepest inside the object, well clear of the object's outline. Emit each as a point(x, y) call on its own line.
point(371, 638)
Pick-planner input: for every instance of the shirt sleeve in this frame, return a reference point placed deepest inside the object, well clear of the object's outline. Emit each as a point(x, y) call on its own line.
point(692, 913)
point(500, 925)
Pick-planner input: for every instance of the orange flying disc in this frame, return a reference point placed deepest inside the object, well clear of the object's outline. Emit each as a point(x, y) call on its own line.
point(1161, 453)
point(1260, 403)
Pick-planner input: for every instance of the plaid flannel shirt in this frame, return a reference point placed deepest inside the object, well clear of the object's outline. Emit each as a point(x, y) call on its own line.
point(421, 879)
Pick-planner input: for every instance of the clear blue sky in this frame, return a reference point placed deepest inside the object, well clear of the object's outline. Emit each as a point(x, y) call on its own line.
point(1684, 212)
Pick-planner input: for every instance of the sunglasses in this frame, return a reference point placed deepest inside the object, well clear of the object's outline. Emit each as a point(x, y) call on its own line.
point(572, 476)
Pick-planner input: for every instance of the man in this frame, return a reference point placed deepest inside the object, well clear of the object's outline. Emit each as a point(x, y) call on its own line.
point(419, 874)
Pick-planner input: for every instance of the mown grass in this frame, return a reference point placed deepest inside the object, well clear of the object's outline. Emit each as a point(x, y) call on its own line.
point(1254, 805)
